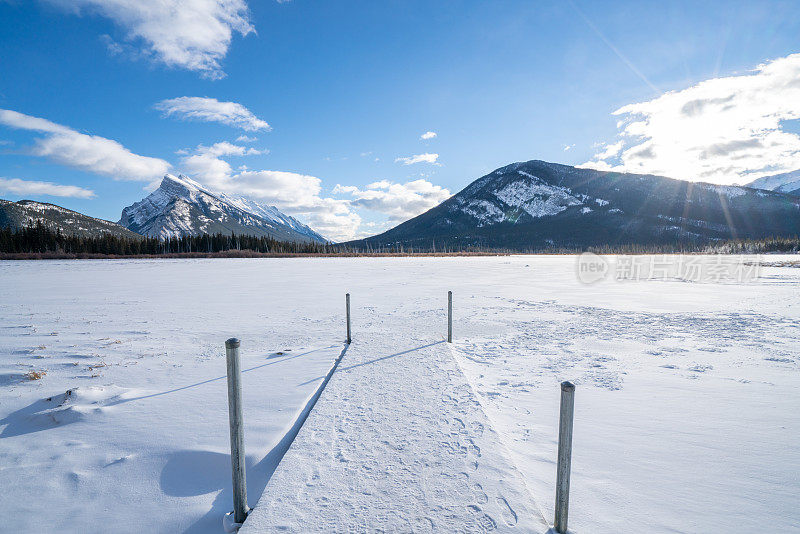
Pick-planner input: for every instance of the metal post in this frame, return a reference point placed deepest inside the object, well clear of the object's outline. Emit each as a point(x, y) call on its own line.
point(564, 456)
point(449, 316)
point(237, 430)
point(347, 301)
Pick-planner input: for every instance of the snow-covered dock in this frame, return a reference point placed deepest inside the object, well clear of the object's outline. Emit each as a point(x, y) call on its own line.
point(397, 442)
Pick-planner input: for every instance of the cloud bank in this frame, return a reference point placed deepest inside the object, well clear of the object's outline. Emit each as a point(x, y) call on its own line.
point(399, 201)
point(725, 130)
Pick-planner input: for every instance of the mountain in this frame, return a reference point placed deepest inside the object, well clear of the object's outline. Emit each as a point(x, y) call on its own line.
point(26, 213)
point(535, 205)
point(181, 206)
point(788, 182)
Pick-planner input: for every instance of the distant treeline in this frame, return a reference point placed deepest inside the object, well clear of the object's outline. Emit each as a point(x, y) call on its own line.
point(39, 239)
point(758, 246)
point(41, 242)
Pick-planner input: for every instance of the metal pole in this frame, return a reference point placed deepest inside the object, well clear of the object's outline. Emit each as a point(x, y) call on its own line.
point(564, 456)
point(347, 301)
point(449, 316)
point(237, 430)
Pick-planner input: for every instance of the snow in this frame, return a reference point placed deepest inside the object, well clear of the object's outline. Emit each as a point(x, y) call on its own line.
point(538, 199)
point(270, 213)
point(399, 442)
point(785, 182)
point(729, 191)
point(686, 404)
point(41, 208)
point(697, 223)
point(484, 211)
point(151, 217)
point(141, 442)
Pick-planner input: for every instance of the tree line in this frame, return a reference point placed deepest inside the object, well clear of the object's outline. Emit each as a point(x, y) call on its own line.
point(45, 242)
point(40, 239)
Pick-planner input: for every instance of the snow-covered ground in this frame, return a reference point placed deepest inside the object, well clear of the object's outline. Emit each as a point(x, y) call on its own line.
point(397, 443)
point(686, 404)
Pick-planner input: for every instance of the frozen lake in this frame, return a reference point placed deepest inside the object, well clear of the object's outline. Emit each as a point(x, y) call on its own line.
point(686, 405)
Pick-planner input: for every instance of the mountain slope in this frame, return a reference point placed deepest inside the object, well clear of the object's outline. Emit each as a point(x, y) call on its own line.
point(25, 213)
point(181, 206)
point(537, 204)
point(788, 182)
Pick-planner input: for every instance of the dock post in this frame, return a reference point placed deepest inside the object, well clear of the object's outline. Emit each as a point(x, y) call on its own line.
point(347, 303)
point(237, 430)
point(564, 456)
point(449, 316)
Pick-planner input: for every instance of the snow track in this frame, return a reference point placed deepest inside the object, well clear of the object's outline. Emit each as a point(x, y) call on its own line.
point(397, 442)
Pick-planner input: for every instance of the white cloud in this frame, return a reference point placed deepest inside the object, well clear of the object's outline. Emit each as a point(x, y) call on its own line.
point(246, 139)
point(206, 164)
point(207, 169)
point(32, 187)
point(609, 150)
point(299, 195)
point(418, 158)
point(189, 34)
point(427, 135)
point(90, 153)
point(568, 147)
point(724, 130)
point(335, 226)
point(224, 148)
point(399, 201)
point(371, 228)
point(196, 108)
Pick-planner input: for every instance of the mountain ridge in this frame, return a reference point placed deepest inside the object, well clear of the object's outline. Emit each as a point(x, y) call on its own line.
point(181, 206)
point(25, 214)
point(538, 204)
point(787, 182)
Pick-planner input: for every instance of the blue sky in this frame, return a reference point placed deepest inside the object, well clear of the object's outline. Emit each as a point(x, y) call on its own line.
point(701, 90)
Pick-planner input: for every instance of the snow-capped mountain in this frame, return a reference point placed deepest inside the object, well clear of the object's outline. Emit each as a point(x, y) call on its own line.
point(536, 205)
point(26, 213)
point(788, 182)
point(180, 206)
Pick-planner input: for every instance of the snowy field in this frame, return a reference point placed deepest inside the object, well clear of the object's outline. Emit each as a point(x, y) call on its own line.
point(687, 395)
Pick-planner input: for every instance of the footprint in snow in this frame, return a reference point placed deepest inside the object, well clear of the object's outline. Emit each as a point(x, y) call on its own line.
point(483, 520)
point(508, 514)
